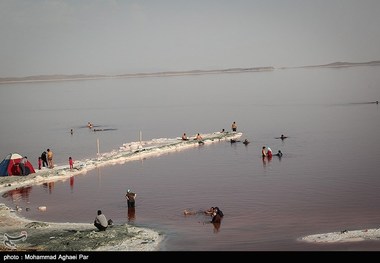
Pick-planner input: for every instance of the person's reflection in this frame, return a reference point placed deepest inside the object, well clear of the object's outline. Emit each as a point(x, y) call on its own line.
point(49, 185)
point(216, 220)
point(18, 193)
point(72, 182)
point(266, 159)
point(217, 226)
point(131, 214)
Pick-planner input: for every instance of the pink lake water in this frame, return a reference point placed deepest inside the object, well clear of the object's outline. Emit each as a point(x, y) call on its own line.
point(328, 179)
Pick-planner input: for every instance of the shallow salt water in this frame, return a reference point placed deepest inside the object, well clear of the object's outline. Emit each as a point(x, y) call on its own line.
point(326, 181)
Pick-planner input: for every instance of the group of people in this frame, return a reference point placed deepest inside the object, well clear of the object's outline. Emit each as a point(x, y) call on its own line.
point(199, 138)
point(46, 159)
point(215, 213)
point(101, 222)
point(267, 152)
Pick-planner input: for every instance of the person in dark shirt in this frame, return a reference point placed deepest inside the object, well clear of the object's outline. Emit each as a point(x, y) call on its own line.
point(22, 166)
point(217, 215)
point(131, 198)
point(44, 159)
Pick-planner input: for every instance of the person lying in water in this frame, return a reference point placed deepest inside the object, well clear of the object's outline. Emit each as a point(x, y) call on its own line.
point(282, 137)
point(209, 211)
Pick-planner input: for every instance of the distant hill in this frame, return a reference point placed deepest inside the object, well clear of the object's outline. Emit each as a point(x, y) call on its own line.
point(345, 64)
point(45, 78)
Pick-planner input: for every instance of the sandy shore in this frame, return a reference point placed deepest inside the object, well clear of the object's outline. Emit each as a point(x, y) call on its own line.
point(30, 235)
point(344, 236)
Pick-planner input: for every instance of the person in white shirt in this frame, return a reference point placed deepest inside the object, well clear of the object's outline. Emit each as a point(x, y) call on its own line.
point(101, 221)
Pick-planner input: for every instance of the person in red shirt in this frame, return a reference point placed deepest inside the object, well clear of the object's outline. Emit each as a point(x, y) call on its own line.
point(71, 163)
point(269, 153)
point(39, 163)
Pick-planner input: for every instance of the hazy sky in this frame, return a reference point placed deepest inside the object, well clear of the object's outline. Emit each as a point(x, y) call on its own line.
point(113, 37)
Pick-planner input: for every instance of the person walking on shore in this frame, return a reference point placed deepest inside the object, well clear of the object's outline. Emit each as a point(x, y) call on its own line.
point(131, 198)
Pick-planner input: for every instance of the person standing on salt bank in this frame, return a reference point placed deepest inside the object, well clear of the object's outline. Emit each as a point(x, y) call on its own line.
point(50, 159)
point(234, 126)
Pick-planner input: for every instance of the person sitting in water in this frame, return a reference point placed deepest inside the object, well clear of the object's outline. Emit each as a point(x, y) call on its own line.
point(279, 154)
point(245, 141)
point(209, 211)
point(282, 137)
point(188, 212)
point(184, 137)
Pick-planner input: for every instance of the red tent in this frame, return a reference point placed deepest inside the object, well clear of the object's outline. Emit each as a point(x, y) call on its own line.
point(9, 166)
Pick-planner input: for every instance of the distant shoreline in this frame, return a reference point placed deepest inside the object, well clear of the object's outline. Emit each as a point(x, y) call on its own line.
point(58, 77)
point(50, 78)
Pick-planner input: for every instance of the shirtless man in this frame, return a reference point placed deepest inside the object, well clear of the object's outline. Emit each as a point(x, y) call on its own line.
point(184, 137)
point(263, 153)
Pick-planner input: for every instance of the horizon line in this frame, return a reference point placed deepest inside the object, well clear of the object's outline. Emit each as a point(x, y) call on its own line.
point(73, 77)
